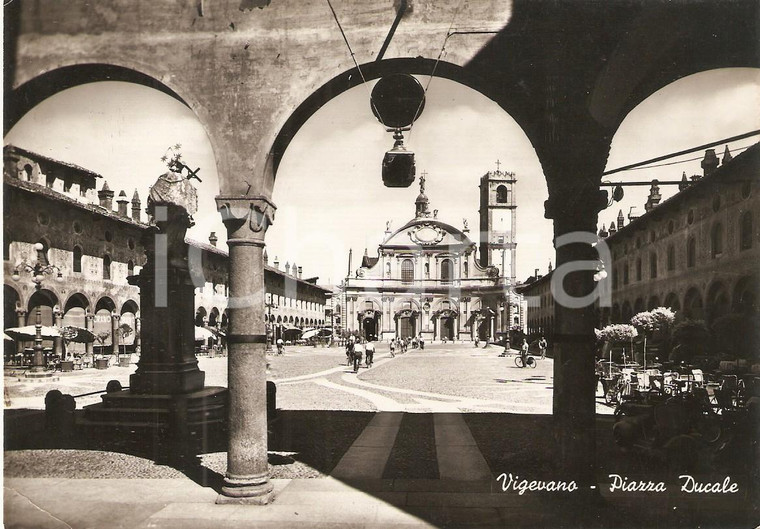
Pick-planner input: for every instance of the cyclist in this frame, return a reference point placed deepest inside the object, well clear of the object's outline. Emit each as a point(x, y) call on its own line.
point(350, 350)
point(524, 352)
point(358, 351)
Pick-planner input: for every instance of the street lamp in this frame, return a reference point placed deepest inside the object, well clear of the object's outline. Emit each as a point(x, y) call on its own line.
point(270, 328)
point(38, 271)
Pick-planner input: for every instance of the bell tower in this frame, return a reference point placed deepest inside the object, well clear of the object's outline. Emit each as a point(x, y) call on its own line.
point(498, 221)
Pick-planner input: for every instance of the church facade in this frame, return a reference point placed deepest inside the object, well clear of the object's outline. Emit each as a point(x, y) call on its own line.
point(428, 280)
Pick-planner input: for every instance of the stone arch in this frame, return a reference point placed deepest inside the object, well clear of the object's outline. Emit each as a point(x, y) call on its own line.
point(75, 310)
point(369, 71)
point(200, 316)
point(654, 302)
point(671, 301)
point(718, 301)
point(746, 295)
point(693, 307)
point(627, 312)
point(638, 305)
point(213, 317)
point(129, 311)
point(41, 87)
point(11, 302)
point(405, 303)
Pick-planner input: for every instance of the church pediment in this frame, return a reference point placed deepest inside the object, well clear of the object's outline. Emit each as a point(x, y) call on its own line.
point(426, 233)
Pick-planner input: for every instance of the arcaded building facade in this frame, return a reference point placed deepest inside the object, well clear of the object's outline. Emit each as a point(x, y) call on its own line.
point(96, 247)
point(696, 252)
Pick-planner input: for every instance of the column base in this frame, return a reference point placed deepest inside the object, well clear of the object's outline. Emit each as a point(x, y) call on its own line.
point(257, 494)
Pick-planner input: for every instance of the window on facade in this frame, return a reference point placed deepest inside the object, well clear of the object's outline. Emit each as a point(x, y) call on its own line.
point(653, 265)
point(28, 172)
point(427, 270)
point(447, 272)
point(407, 271)
point(49, 180)
point(502, 195)
point(691, 252)
point(131, 270)
point(625, 274)
point(745, 231)
point(77, 259)
point(445, 305)
point(106, 267)
point(716, 240)
point(614, 280)
point(638, 269)
point(466, 269)
point(716, 203)
point(6, 247)
point(671, 257)
point(367, 305)
point(66, 186)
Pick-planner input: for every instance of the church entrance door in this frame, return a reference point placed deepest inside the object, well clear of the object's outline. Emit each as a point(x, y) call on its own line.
point(447, 329)
point(406, 328)
point(370, 329)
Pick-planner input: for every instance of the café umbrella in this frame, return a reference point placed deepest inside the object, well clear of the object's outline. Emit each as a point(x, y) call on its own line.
point(202, 334)
point(74, 334)
point(29, 332)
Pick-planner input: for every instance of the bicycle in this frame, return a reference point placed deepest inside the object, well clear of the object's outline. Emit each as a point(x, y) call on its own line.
point(529, 361)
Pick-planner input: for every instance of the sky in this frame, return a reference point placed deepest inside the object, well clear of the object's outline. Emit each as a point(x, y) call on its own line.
point(329, 190)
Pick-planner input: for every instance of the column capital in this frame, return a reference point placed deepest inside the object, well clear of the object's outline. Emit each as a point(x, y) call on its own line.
point(246, 218)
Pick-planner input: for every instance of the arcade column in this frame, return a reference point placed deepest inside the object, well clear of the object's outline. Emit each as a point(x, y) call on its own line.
point(21, 318)
point(115, 334)
point(575, 214)
point(89, 324)
point(58, 342)
point(247, 478)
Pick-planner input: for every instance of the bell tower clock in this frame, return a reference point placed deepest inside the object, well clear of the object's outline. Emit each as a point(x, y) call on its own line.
point(498, 220)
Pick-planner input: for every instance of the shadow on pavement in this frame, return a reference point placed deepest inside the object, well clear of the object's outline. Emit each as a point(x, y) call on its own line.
point(309, 444)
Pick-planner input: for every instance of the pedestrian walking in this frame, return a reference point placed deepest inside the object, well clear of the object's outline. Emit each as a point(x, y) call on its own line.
point(280, 346)
point(393, 347)
point(369, 354)
point(542, 345)
point(421, 341)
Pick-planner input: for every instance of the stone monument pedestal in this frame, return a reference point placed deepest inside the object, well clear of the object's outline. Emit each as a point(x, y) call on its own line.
point(167, 402)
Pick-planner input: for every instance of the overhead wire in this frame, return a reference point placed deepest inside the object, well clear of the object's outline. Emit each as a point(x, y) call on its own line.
point(353, 57)
point(734, 150)
point(435, 65)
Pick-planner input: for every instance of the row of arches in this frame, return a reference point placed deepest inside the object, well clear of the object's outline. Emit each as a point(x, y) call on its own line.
point(78, 310)
point(715, 301)
point(295, 321)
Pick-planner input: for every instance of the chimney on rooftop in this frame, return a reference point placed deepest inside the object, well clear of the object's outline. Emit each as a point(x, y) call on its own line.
point(212, 239)
point(300, 271)
point(710, 162)
point(654, 196)
point(105, 196)
point(620, 220)
point(136, 207)
point(122, 202)
point(276, 263)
